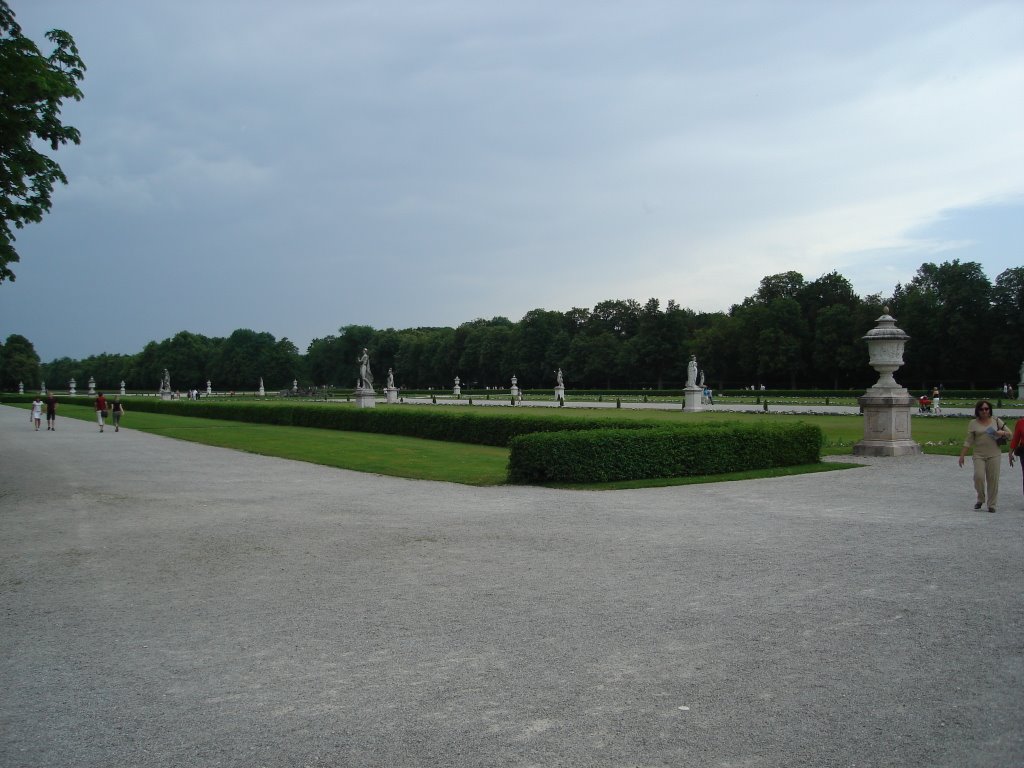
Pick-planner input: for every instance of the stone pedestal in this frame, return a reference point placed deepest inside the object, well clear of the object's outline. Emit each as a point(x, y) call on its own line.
point(560, 393)
point(457, 391)
point(366, 398)
point(886, 405)
point(71, 387)
point(886, 424)
point(1020, 391)
point(391, 395)
point(122, 387)
point(693, 399)
point(165, 394)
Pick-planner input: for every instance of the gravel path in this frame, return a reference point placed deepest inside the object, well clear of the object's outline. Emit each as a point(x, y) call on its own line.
point(171, 604)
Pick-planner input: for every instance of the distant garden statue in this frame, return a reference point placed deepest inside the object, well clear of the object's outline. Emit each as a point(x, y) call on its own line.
point(691, 372)
point(365, 374)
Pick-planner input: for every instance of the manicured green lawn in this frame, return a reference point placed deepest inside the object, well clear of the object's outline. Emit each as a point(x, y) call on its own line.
point(486, 465)
point(364, 452)
point(938, 435)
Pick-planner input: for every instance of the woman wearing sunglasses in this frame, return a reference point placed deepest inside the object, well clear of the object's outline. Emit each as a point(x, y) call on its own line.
point(982, 433)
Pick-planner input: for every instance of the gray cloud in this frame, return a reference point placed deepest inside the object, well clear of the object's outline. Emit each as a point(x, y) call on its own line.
point(293, 169)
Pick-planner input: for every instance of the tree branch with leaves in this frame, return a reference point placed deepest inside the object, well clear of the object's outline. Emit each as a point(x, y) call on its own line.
point(33, 86)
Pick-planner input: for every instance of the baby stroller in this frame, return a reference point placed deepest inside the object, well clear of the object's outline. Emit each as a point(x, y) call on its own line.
point(924, 404)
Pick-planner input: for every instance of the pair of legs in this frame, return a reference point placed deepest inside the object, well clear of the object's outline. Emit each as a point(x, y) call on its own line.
point(51, 422)
point(99, 418)
point(115, 417)
point(986, 476)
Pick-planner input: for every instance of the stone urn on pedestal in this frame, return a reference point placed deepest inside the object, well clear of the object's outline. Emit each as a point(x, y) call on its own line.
point(71, 387)
point(21, 388)
point(92, 386)
point(457, 389)
point(886, 405)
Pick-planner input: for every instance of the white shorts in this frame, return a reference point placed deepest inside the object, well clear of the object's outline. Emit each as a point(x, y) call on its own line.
point(99, 416)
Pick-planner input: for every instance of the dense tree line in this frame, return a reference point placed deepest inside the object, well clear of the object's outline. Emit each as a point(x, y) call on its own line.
point(966, 332)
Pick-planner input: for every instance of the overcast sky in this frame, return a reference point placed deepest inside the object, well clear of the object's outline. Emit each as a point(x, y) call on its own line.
point(296, 167)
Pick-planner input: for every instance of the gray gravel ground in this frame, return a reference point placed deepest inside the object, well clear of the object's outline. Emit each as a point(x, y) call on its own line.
point(171, 604)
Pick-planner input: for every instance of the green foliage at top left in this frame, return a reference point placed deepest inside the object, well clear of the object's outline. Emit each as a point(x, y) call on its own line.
point(33, 87)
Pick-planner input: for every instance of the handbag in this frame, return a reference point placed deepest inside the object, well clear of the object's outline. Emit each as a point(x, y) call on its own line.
point(1000, 440)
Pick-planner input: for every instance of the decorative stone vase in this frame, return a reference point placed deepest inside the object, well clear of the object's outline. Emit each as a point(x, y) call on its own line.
point(886, 405)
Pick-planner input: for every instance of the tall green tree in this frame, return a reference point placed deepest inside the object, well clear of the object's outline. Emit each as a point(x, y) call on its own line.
point(18, 363)
point(1008, 310)
point(33, 86)
point(946, 310)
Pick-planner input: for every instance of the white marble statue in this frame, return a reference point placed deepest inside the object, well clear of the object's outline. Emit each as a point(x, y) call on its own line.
point(391, 379)
point(365, 374)
point(558, 378)
point(165, 382)
point(691, 372)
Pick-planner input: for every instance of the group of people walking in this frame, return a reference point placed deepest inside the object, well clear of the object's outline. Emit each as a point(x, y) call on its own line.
point(36, 416)
point(986, 434)
point(116, 409)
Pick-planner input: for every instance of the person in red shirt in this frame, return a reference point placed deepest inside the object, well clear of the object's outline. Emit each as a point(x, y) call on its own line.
point(101, 408)
point(1017, 445)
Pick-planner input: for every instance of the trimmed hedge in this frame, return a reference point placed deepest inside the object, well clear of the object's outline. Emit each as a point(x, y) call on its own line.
point(483, 428)
point(606, 455)
point(544, 447)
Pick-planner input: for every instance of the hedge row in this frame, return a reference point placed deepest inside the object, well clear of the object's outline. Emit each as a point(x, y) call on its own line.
point(606, 455)
point(544, 448)
point(483, 428)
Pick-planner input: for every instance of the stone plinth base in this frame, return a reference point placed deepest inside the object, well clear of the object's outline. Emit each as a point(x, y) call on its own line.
point(692, 400)
point(887, 425)
point(457, 392)
point(560, 393)
point(391, 394)
point(1020, 391)
point(165, 395)
point(366, 398)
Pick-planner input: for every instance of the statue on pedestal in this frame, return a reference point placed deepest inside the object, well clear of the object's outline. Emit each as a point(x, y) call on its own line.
point(365, 374)
point(691, 372)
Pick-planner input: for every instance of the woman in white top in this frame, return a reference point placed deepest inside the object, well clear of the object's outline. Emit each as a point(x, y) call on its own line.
point(37, 413)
